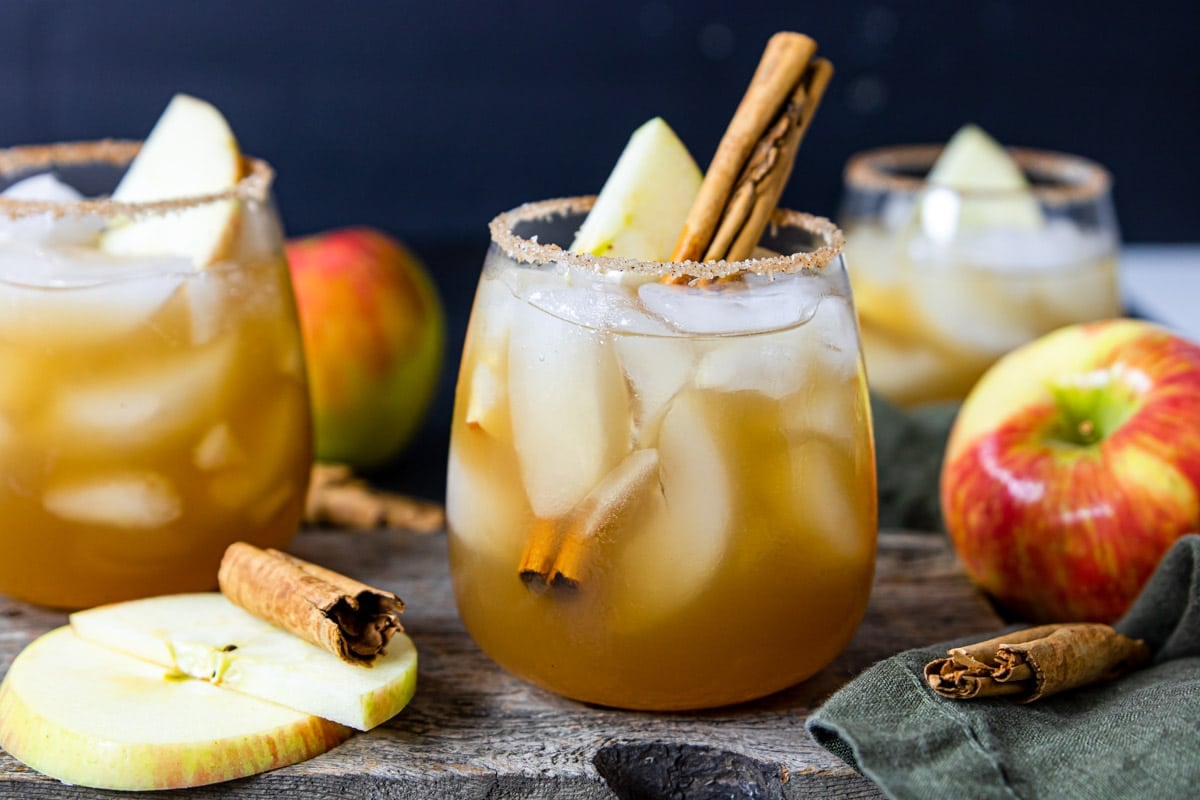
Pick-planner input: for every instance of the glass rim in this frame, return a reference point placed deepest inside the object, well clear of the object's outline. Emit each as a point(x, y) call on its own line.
point(254, 186)
point(529, 251)
point(1079, 179)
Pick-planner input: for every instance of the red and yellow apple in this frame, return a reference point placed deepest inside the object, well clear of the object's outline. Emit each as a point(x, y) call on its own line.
point(374, 333)
point(1073, 465)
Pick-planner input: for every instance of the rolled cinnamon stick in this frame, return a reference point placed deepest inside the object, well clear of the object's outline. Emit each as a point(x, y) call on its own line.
point(1037, 662)
point(337, 498)
point(353, 621)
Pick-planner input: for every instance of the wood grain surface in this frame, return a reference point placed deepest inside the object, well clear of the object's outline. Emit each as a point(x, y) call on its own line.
point(475, 732)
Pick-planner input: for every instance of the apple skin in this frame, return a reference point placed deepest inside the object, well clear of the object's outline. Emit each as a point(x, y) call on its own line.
point(374, 335)
point(1073, 466)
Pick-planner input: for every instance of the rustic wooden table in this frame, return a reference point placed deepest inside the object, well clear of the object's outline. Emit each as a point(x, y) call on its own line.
point(475, 732)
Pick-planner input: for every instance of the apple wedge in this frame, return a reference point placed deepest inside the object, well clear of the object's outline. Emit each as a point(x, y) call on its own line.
point(190, 152)
point(85, 715)
point(205, 636)
point(1000, 197)
point(646, 199)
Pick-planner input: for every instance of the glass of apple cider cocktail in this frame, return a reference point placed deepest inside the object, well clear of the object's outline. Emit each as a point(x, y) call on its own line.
point(661, 493)
point(950, 274)
point(153, 407)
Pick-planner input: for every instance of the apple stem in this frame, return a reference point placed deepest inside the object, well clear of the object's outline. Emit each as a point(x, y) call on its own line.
point(1090, 413)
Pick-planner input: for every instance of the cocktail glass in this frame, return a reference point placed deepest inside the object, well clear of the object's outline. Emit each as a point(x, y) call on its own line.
point(151, 412)
point(947, 281)
point(661, 496)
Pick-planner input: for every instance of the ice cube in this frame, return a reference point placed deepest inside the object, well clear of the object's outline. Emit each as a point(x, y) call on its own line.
point(570, 412)
point(274, 440)
point(595, 301)
point(68, 294)
point(781, 363)
point(752, 304)
point(981, 313)
point(133, 499)
point(218, 449)
point(207, 298)
point(485, 405)
point(45, 227)
point(657, 368)
point(149, 402)
point(485, 503)
point(832, 502)
point(833, 409)
point(675, 554)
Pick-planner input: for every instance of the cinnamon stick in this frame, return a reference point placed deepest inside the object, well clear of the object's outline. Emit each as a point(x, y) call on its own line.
point(353, 621)
point(337, 498)
point(742, 185)
point(558, 551)
point(1037, 662)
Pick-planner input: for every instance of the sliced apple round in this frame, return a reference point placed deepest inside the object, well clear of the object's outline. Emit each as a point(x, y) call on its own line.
point(646, 199)
point(190, 152)
point(205, 636)
point(974, 163)
point(85, 715)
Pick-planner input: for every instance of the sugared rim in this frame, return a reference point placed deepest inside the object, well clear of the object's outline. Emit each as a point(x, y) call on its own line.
point(255, 186)
point(527, 251)
point(1079, 179)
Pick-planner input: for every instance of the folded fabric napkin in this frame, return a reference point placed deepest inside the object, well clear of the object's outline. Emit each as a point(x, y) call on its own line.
point(908, 455)
point(1136, 737)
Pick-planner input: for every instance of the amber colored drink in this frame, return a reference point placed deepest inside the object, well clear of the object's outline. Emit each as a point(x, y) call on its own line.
point(150, 413)
point(660, 496)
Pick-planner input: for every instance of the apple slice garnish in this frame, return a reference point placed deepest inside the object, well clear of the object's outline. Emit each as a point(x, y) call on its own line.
point(646, 199)
point(191, 152)
point(204, 636)
point(88, 716)
point(974, 163)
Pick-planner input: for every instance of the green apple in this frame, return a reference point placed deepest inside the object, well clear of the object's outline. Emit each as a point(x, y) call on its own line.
point(1073, 465)
point(204, 636)
point(191, 152)
point(988, 188)
point(374, 333)
point(88, 716)
point(646, 199)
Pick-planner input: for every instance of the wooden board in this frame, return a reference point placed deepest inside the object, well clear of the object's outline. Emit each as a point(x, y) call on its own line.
point(475, 732)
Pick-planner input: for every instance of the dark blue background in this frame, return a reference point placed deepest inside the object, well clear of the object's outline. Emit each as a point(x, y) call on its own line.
point(427, 118)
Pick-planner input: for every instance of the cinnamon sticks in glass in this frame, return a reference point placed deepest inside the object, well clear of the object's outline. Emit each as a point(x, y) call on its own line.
point(747, 175)
point(353, 621)
point(1030, 664)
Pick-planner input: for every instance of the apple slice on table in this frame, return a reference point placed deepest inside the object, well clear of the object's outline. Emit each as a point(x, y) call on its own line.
point(205, 636)
point(974, 163)
point(86, 715)
point(190, 152)
point(646, 199)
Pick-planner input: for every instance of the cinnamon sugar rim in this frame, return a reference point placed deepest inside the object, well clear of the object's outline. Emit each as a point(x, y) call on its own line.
point(527, 251)
point(255, 186)
point(1079, 179)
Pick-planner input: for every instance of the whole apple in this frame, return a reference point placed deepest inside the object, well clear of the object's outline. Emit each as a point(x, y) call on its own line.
point(1072, 467)
point(374, 333)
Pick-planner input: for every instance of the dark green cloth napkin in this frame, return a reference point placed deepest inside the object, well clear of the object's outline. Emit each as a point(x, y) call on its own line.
point(1137, 737)
point(909, 446)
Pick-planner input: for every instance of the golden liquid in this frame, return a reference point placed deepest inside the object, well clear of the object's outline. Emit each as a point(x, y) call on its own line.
point(920, 348)
point(642, 630)
point(132, 458)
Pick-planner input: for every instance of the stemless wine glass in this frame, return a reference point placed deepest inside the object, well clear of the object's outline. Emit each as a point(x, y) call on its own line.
point(661, 495)
point(947, 281)
point(151, 412)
